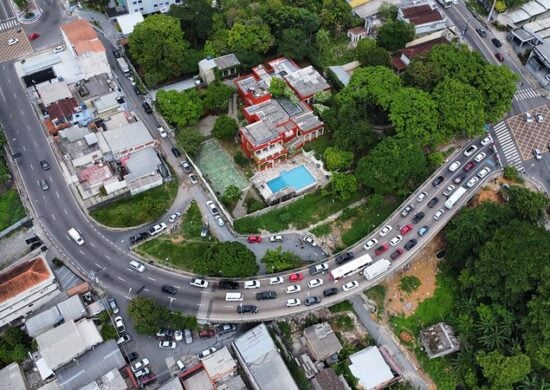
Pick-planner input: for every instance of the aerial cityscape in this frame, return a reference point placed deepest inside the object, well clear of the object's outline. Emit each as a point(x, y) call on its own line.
point(287, 194)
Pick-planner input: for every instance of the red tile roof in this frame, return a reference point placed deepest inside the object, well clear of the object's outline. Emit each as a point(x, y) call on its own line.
point(358, 30)
point(82, 36)
point(421, 14)
point(414, 51)
point(23, 277)
point(62, 108)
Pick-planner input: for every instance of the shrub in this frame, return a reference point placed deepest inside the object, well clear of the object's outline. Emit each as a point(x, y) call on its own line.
point(225, 128)
point(511, 173)
point(409, 283)
point(240, 159)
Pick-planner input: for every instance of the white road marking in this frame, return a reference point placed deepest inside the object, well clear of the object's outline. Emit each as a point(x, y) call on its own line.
point(121, 278)
point(205, 292)
point(178, 287)
point(66, 212)
point(128, 298)
point(151, 279)
point(98, 266)
point(32, 167)
point(200, 304)
point(83, 254)
point(92, 244)
point(53, 217)
point(21, 111)
point(57, 193)
point(108, 257)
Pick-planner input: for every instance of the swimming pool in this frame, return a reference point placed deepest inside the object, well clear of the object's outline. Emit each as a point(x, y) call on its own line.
point(297, 178)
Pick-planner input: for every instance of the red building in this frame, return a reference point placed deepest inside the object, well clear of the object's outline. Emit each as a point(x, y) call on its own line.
point(278, 127)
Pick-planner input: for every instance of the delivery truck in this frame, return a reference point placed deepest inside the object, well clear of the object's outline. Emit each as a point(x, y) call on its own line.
point(378, 268)
point(455, 197)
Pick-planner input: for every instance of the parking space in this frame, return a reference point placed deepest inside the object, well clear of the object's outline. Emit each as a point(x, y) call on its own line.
point(532, 132)
point(20, 48)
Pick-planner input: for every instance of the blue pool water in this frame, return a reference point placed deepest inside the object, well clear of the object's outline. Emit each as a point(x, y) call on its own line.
point(297, 178)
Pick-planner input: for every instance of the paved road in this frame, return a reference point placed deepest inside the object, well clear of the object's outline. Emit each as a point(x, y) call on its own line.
point(6, 11)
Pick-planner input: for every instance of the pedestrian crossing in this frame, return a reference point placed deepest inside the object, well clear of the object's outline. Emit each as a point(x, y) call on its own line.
point(508, 146)
point(523, 94)
point(7, 24)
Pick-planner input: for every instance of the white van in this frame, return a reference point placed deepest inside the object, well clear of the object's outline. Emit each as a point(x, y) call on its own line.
point(75, 235)
point(233, 297)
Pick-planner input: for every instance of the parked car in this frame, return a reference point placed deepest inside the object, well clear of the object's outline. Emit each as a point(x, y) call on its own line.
point(212, 207)
point(207, 352)
point(468, 167)
point(398, 252)
point(12, 41)
point(176, 152)
point(124, 339)
point(199, 283)
point(330, 291)
point(350, 285)
point(396, 240)
point(58, 49)
point(407, 228)
point(266, 295)
point(381, 249)
point(433, 202)
point(188, 335)
point(248, 284)
point(410, 244)
point(537, 154)
point(481, 32)
point(164, 333)
point(293, 288)
point(315, 283)
point(458, 179)
point(167, 344)
point(180, 365)
point(193, 178)
point(226, 284)
point(421, 196)
point(247, 309)
point(499, 57)
point(295, 277)
point(138, 266)
point(44, 184)
point(487, 140)
point(33, 36)
point(148, 378)
point(147, 108)
point(178, 335)
point(277, 238)
point(113, 305)
point(173, 217)
point(309, 301)
point(139, 365)
point(423, 230)
point(138, 237)
point(418, 217)
point(225, 328)
point(142, 372)
point(157, 229)
point(132, 356)
point(454, 166)
point(186, 167)
point(472, 182)
point(254, 238)
point(309, 240)
point(219, 220)
point(169, 289)
point(164, 134)
point(205, 333)
point(293, 302)
point(344, 257)
point(276, 280)
point(437, 181)
point(385, 230)
point(484, 172)
point(449, 190)
point(480, 156)
point(468, 152)
point(496, 42)
point(438, 214)
point(539, 118)
point(119, 324)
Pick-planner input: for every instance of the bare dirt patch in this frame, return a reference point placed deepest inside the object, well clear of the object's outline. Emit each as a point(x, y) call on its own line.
point(490, 192)
point(333, 240)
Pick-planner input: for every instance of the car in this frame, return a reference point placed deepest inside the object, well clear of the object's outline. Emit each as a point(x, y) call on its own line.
point(471, 149)
point(193, 178)
point(537, 154)
point(164, 134)
point(169, 289)
point(113, 305)
point(247, 309)
point(204, 230)
point(433, 202)
point(12, 41)
point(407, 210)
point(398, 252)
point(119, 324)
point(139, 365)
point(344, 257)
point(318, 268)
point(167, 344)
point(138, 237)
point(293, 302)
point(309, 240)
point(225, 328)
point(381, 249)
point(439, 213)
point(484, 172)
point(449, 190)
point(295, 277)
point(410, 244)
point(188, 335)
point(480, 156)
point(528, 117)
point(44, 164)
point(187, 168)
point(421, 196)
point(58, 49)
point(212, 207)
point(472, 182)
point(423, 230)
point(251, 284)
point(219, 220)
point(499, 57)
point(180, 365)
point(481, 32)
point(370, 243)
point(496, 42)
point(396, 240)
point(132, 356)
point(147, 108)
point(33, 36)
point(458, 179)
point(405, 229)
point(207, 352)
point(254, 238)
point(330, 292)
point(486, 140)
point(350, 285)
point(266, 295)
point(178, 335)
point(174, 216)
point(142, 372)
point(138, 266)
point(124, 339)
point(385, 230)
point(315, 283)
point(176, 152)
point(309, 301)
point(454, 166)
point(205, 333)
point(437, 181)
point(276, 280)
point(468, 167)
point(116, 53)
point(418, 217)
point(226, 284)
point(539, 118)
point(164, 333)
point(157, 229)
point(293, 288)
point(201, 283)
point(276, 239)
point(44, 184)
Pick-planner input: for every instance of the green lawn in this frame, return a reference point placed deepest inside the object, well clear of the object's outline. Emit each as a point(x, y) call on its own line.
point(136, 210)
point(11, 208)
point(378, 295)
point(192, 222)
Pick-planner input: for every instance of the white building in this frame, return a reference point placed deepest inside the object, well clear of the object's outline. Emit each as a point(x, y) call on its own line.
point(425, 17)
point(371, 369)
point(149, 6)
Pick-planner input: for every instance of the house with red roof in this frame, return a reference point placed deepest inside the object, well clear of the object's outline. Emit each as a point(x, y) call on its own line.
point(425, 17)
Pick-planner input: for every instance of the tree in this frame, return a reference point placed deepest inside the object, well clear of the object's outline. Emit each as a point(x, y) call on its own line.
point(225, 128)
point(108, 332)
point(217, 98)
point(322, 40)
point(240, 159)
point(180, 108)
point(395, 34)
point(157, 45)
point(286, 17)
point(179, 320)
point(190, 140)
point(409, 283)
point(375, 201)
point(497, 85)
point(249, 41)
point(229, 259)
point(457, 61)
point(371, 85)
point(293, 44)
point(527, 204)
point(422, 74)
point(388, 11)
point(336, 15)
point(230, 195)
point(196, 19)
point(344, 184)
point(147, 315)
point(369, 54)
point(503, 371)
point(536, 328)
point(14, 346)
point(276, 260)
point(337, 159)
point(436, 159)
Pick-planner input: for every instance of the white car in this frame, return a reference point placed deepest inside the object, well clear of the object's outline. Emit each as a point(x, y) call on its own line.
point(219, 220)
point(276, 280)
point(370, 244)
point(139, 365)
point(193, 178)
point(119, 323)
point(315, 283)
point(293, 288)
point(471, 150)
point(199, 283)
point(178, 335)
point(276, 239)
point(480, 157)
point(484, 172)
point(207, 352)
point(385, 231)
point(180, 365)
point(157, 229)
point(421, 196)
point(293, 302)
point(449, 190)
point(539, 118)
point(212, 207)
point(438, 214)
point(486, 140)
point(472, 182)
point(124, 339)
point(167, 344)
point(309, 240)
point(454, 166)
point(350, 285)
point(142, 372)
point(139, 267)
point(58, 49)
point(162, 132)
point(396, 240)
point(12, 41)
point(252, 284)
point(173, 217)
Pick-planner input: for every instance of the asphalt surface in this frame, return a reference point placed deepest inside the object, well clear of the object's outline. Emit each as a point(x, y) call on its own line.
point(6, 12)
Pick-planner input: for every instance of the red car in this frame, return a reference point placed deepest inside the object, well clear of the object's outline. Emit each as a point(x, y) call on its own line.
point(469, 166)
point(254, 238)
point(381, 249)
point(405, 229)
point(397, 253)
point(33, 36)
point(499, 57)
point(295, 277)
point(207, 333)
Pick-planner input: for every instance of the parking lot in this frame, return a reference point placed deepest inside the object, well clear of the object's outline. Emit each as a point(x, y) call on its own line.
point(18, 50)
point(531, 135)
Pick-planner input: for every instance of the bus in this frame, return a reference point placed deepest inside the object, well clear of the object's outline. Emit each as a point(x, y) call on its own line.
point(350, 268)
point(446, 3)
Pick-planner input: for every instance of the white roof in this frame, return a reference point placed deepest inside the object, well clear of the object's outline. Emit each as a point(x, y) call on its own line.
point(370, 368)
point(106, 102)
point(52, 92)
point(533, 8)
point(518, 16)
point(142, 163)
point(220, 363)
point(42, 321)
point(128, 22)
point(128, 136)
point(11, 377)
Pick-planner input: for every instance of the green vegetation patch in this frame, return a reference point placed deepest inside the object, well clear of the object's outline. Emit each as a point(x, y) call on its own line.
point(184, 255)
point(192, 222)
point(343, 322)
point(409, 283)
point(378, 295)
point(321, 230)
point(11, 208)
point(341, 306)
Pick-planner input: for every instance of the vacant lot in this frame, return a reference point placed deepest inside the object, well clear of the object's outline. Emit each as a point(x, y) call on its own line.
point(11, 208)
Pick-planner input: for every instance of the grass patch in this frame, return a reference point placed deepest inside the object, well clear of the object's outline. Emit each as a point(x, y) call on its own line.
point(341, 306)
point(343, 323)
point(322, 230)
point(137, 210)
point(191, 225)
point(11, 208)
point(300, 214)
point(378, 295)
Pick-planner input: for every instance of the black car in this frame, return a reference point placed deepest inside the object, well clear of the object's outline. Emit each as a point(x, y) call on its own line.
point(312, 301)
point(437, 181)
point(244, 309)
point(496, 42)
point(132, 356)
point(116, 53)
point(330, 291)
point(32, 240)
point(165, 333)
point(262, 296)
point(227, 284)
point(459, 178)
point(418, 217)
point(176, 152)
point(433, 202)
point(225, 328)
point(482, 33)
point(147, 108)
point(344, 257)
point(169, 289)
point(138, 237)
point(410, 244)
point(44, 164)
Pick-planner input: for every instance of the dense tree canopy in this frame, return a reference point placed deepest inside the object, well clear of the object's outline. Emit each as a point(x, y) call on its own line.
point(294, 43)
point(14, 346)
point(180, 109)
point(277, 260)
point(225, 127)
point(395, 34)
point(196, 19)
point(148, 316)
point(527, 204)
point(190, 140)
point(369, 54)
point(337, 159)
point(216, 98)
point(230, 259)
point(344, 185)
